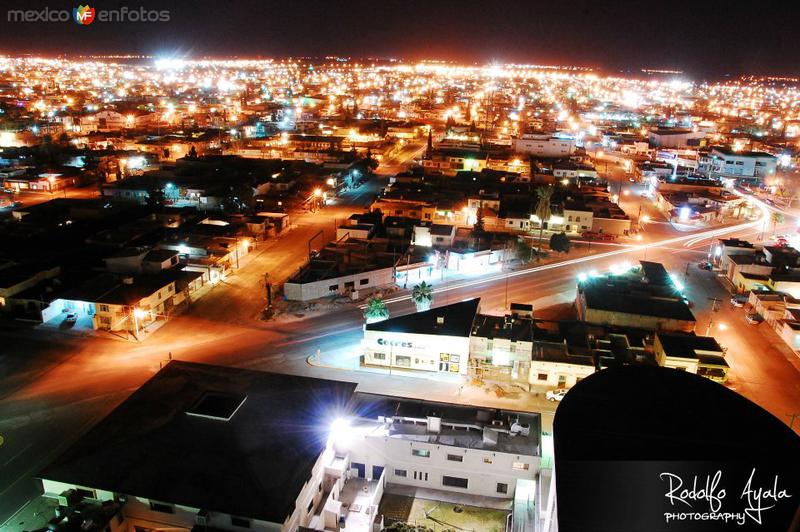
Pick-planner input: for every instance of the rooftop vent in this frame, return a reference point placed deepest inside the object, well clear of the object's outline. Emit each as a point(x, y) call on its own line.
point(217, 405)
point(439, 320)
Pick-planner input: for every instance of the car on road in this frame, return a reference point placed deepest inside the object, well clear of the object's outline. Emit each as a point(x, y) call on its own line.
point(738, 301)
point(555, 395)
point(72, 317)
point(753, 319)
point(705, 265)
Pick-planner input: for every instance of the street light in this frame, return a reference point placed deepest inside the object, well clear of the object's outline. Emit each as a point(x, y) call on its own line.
point(138, 314)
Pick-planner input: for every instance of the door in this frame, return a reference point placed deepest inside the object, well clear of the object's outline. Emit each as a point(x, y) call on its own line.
point(377, 471)
point(562, 381)
point(360, 468)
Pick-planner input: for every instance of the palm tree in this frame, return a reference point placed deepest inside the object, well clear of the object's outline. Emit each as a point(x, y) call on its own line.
point(376, 310)
point(777, 219)
point(543, 212)
point(422, 294)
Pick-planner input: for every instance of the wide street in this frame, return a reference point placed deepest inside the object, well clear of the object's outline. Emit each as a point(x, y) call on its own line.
point(58, 384)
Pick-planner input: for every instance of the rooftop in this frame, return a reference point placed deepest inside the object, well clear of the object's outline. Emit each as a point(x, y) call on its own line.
point(461, 426)
point(688, 345)
point(449, 320)
point(247, 450)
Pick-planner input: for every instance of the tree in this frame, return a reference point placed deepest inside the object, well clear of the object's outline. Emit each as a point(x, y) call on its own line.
point(192, 152)
point(155, 194)
point(478, 230)
point(560, 242)
point(422, 295)
point(777, 219)
point(523, 250)
point(376, 310)
point(543, 212)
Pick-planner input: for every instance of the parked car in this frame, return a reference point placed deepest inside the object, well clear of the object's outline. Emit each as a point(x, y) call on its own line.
point(556, 395)
point(738, 301)
point(753, 319)
point(705, 265)
point(72, 317)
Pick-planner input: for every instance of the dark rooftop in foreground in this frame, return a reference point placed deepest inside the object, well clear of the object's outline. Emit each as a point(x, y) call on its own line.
point(450, 320)
point(217, 438)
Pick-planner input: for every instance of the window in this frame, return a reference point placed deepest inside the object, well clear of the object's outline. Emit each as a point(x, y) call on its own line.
point(362, 282)
point(542, 376)
point(161, 507)
point(378, 356)
point(240, 522)
point(404, 361)
point(426, 477)
point(105, 320)
point(400, 473)
point(422, 453)
point(455, 482)
point(311, 505)
point(487, 459)
point(502, 488)
point(333, 287)
point(520, 466)
point(455, 457)
point(103, 308)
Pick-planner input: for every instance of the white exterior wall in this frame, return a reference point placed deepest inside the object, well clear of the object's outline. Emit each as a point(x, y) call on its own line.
point(687, 364)
point(743, 165)
point(578, 221)
point(543, 146)
point(570, 372)
point(483, 469)
point(317, 289)
point(612, 226)
point(425, 351)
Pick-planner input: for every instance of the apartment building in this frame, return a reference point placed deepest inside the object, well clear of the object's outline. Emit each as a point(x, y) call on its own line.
point(232, 449)
point(751, 166)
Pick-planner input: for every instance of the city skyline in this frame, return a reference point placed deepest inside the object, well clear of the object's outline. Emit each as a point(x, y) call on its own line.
point(613, 37)
point(395, 266)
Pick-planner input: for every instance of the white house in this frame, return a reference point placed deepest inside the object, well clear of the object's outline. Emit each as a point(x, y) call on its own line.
point(543, 145)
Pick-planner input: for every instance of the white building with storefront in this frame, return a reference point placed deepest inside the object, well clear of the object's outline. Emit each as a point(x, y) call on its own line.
point(434, 340)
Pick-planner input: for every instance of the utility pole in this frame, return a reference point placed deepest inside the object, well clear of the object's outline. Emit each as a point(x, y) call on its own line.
point(714, 309)
point(268, 289)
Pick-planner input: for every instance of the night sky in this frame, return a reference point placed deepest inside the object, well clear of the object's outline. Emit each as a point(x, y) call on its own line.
point(705, 39)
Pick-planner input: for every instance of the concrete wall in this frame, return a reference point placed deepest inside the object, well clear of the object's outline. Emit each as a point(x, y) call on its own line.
point(381, 278)
point(483, 469)
point(611, 226)
point(571, 373)
point(606, 317)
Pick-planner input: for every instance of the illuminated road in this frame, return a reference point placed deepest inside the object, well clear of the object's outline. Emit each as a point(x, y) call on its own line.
point(58, 384)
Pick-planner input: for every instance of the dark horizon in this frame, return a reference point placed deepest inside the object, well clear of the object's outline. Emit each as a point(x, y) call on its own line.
point(705, 41)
